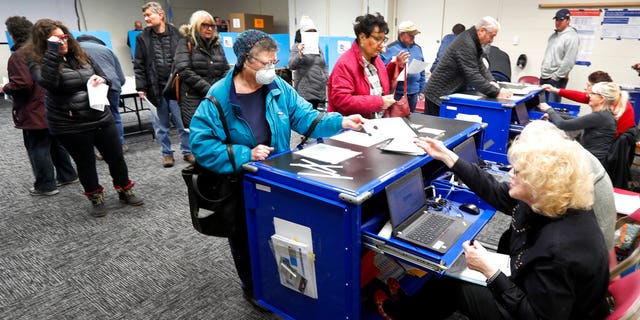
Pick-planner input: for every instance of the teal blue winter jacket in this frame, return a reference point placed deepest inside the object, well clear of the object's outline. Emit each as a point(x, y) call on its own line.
point(286, 111)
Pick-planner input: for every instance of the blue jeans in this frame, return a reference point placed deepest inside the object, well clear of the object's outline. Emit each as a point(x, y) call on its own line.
point(49, 160)
point(560, 84)
point(169, 110)
point(412, 98)
point(114, 105)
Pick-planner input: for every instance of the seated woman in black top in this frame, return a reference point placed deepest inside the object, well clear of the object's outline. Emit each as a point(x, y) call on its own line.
point(558, 255)
point(599, 126)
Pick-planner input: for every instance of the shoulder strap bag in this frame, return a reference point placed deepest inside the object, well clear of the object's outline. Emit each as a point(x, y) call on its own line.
point(216, 201)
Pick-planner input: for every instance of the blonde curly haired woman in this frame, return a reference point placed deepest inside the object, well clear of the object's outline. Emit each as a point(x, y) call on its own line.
point(558, 255)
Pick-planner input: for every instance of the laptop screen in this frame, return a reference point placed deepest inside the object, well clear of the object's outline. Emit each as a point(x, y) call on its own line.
point(405, 196)
point(522, 113)
point(467, 150)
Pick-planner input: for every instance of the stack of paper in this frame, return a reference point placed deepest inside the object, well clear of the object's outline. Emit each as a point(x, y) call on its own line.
point(459, 269)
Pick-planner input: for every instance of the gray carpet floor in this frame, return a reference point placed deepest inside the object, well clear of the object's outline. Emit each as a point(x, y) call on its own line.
point(58, 262)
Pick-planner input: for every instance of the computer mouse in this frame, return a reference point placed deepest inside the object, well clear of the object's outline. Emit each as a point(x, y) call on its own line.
point(469, 208)
point(505, 167)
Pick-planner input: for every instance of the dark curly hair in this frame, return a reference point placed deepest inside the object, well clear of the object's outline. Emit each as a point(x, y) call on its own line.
point(37, 44)
point(19, 28)
point(366, 23)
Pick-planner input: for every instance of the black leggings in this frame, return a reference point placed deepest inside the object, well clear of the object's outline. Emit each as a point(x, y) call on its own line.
point(107, 141)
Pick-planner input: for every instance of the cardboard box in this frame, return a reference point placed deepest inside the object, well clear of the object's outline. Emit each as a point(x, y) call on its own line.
point(244, 21)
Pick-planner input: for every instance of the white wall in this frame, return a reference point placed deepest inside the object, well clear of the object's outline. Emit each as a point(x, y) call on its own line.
point(519, 18)
point(531, 25)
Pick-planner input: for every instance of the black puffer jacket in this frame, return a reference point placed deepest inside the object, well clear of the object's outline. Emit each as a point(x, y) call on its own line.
point(198, 70)
point(153, 59)
point(311, 74)
point(460, 67)
point(67, 100)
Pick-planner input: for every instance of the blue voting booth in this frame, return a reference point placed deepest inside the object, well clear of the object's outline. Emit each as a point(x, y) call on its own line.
point(105, 36)
point(308, 233)
point(228, 38)
point(333, 47)
point(500, 117)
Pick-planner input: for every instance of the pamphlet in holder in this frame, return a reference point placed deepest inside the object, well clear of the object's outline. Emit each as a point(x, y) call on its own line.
point(293, 252)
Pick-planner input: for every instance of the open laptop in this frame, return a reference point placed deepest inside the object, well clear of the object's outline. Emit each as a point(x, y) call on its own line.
point(467, 151)
point(412, 222)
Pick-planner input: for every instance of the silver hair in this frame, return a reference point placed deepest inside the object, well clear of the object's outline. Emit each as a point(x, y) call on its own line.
point(154, 6)
point(490, 23)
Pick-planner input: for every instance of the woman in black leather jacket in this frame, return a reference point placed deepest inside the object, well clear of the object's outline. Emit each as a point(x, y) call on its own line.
point(59, 65)
point(199, 61)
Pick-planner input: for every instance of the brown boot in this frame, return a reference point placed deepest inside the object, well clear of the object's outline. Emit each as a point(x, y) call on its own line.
point(167, 161)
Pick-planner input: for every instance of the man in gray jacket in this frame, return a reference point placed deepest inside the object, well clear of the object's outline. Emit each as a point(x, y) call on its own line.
point(461, 67)
point(560, 56)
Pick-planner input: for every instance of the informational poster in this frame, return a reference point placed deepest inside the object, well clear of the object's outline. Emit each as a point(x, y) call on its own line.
point(586, 23)
point(621, 24)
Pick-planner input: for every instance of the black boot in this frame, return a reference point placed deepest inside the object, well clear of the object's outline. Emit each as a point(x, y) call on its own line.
point(98, 208)
point(127, 197)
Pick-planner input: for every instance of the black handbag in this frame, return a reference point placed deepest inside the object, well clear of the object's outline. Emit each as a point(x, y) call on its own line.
point(216, 201)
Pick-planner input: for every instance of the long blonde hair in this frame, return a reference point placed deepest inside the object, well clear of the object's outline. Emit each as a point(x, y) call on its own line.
point(193, 28)
point(615, 99)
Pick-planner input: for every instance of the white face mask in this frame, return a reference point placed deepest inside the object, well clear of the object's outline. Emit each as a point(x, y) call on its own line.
point(266, 74)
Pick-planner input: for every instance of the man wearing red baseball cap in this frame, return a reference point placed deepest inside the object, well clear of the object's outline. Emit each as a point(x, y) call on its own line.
point(561, 53)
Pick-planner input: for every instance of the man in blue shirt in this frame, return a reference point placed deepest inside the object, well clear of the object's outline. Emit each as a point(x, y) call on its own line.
point(446, 41)
point(407, 31)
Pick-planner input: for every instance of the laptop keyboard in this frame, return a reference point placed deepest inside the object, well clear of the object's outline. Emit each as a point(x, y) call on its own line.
point(430, 228)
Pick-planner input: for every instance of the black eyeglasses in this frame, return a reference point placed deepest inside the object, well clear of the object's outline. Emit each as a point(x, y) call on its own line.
point(207, 26)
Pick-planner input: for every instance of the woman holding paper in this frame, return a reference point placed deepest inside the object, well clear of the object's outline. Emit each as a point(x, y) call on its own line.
point(559, 267)
point(58, 64)
point(311, 73)
point(360, 83)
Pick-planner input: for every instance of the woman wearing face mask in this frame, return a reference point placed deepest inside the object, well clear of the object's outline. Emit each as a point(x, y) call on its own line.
point(260, 110)
point(199, 61)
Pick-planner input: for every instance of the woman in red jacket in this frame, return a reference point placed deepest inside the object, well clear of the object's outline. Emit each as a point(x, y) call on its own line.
point(624, 116)
point(360, 82)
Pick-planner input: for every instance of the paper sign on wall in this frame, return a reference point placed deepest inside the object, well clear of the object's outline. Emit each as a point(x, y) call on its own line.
point(258, 23)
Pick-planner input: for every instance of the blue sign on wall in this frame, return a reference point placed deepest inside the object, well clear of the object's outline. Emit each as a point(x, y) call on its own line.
point(228, 38)
point(105, 36)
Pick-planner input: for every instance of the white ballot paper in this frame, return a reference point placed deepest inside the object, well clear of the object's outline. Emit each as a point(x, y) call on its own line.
point(97, 96)
point(415, 66)
point(459, 269)
point(310, 41)
point(5, 80)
